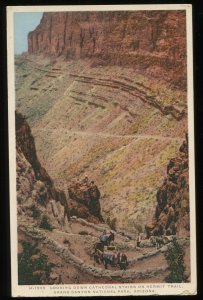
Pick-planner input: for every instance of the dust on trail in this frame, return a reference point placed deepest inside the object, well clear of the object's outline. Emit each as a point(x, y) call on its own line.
point(104, 134)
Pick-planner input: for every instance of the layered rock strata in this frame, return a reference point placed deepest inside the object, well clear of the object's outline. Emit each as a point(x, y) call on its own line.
point(152, 41)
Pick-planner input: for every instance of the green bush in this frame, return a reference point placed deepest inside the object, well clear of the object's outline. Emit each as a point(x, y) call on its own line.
point(45, 223)
point(27, 266)
point(175, 259)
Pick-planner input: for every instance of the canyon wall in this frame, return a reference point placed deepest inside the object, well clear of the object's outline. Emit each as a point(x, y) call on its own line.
point(172, 213)
point(151, 41)
point(37, 195)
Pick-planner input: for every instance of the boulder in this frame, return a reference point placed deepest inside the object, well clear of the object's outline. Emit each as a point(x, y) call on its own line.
point(84, 202)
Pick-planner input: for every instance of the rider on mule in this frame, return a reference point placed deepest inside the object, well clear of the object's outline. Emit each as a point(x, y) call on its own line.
point(104, 238)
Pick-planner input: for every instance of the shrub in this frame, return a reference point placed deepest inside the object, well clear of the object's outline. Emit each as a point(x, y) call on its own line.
point(174, 257)
point(138, 227)
point(112, 223)
point(45, 223)
point(35, 211)
point(28, 269)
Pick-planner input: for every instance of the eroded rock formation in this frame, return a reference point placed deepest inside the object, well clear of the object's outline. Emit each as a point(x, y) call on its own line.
point(152, 41)
point(36, 194)
point(172, 210)
point(84, 201)
point(26, 147)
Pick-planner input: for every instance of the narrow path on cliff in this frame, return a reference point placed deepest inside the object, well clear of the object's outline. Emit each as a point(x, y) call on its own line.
point(105, 134)
point(75, 253)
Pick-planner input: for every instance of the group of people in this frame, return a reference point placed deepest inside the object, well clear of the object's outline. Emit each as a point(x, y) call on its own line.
point(114, 257)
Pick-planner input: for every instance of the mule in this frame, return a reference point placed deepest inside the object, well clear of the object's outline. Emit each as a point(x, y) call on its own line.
point(111, 259)
point(160, 241)
point(157, 241)
point(106, 258)
point(100, 245)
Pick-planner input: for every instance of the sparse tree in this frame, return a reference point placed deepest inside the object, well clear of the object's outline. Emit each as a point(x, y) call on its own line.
point(29, 269)
point(175, 259)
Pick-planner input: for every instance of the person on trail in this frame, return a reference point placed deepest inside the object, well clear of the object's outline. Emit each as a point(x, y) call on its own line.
point(138, 240)
point(123, 262)
point(104, 238)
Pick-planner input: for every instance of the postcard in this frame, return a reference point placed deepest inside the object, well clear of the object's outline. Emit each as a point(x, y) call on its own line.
point(101, 150)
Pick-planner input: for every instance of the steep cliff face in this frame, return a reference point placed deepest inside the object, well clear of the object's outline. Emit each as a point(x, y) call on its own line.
point(37, 196)
point(26, 146)
point(152, 41)
point(172, 210)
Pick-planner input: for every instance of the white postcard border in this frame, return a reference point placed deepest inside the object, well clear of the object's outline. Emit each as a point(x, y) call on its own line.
point(98, 289)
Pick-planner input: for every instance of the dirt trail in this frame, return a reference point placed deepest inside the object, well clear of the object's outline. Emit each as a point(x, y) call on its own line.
point(105, 134)
point(73, 253)
point(74, 248)
point(84, 235)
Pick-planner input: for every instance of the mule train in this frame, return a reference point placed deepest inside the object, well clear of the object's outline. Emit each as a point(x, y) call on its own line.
point(108, 255)
point(160, 241)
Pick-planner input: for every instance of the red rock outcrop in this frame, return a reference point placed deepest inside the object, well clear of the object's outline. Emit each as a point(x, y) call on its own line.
point(152, 41)
point(172, 215)
point(84, 201)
